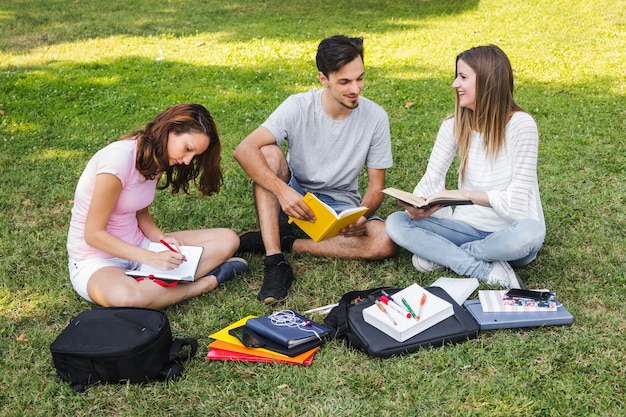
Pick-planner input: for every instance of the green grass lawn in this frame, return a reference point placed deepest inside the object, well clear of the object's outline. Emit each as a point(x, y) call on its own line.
point(77, 74)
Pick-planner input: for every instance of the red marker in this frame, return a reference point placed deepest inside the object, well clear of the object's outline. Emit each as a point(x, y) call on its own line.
point(390, 303)
point(167, 245)
point(422, 302)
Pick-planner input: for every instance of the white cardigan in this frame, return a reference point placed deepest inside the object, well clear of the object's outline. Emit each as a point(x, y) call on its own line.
point(510, 180)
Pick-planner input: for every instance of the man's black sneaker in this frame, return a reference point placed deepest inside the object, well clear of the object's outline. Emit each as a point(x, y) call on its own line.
point(252, 241)
point(277, 280)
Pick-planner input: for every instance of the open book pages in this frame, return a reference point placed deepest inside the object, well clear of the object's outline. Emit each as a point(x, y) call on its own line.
point(185, 272)
point(398, 326)
point(444, 198)
point(328, 223)
point(347, 212)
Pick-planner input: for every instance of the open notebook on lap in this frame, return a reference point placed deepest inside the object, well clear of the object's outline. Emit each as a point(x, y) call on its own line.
point(185, 272)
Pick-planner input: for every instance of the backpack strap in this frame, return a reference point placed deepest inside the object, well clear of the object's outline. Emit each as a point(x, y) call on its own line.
point(177, 347)
point(175, 368)
point(337, 318)
point(78, 387)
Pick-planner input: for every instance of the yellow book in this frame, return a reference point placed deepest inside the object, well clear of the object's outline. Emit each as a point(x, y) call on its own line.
point(327, 222)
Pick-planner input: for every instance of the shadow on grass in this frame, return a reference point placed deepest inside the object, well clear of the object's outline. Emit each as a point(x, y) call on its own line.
point(35, 23)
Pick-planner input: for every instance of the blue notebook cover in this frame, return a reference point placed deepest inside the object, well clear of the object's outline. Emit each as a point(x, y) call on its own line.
point(510, 320)
point(287, 328)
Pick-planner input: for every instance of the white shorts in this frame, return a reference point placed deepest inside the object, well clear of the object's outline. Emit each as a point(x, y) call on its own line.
point(81, 270)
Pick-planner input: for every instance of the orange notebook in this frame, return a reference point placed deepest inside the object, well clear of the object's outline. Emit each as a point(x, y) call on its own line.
point(220, 350)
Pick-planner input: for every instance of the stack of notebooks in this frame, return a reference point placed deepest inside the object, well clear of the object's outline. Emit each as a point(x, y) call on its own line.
point(283, 337)
point(501, 309)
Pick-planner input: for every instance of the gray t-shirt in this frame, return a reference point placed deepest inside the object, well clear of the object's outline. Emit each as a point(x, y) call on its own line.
point(325, 155)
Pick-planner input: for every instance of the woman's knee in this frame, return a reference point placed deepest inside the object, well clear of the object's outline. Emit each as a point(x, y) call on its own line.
point(229, 239)
point(531, 233)
point(222, 240)
point(395, 223)
point(233, 241)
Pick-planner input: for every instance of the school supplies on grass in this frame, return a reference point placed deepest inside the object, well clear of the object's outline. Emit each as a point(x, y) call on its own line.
point(288, 328)
point(347, 323)
point(231, 348)
point(328, 222)
point(508, 320)
point(186, 271)
point(231, 353)
point(249, 338)
point(494, 301)
point(425, 308)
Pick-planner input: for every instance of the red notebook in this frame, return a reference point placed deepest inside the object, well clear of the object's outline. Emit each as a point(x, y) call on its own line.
point(230, 355)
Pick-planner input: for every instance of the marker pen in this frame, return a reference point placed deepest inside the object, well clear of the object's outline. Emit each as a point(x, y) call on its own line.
point(394, 306)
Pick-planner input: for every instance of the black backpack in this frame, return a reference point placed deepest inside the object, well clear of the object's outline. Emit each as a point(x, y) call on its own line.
point(346, 322)
point(118, 344)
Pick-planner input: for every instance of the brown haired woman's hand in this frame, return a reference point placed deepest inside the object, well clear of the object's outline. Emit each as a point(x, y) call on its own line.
point(165, 260)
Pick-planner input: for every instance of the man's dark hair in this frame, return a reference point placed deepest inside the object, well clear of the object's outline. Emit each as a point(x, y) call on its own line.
point(335, 52)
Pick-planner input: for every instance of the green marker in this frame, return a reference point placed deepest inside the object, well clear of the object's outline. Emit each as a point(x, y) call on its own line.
point(408, 307)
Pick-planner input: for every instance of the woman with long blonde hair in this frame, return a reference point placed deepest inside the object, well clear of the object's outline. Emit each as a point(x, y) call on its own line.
point(496, 142)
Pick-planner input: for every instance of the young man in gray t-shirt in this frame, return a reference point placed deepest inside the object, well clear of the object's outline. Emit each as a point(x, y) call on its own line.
point(331, 135)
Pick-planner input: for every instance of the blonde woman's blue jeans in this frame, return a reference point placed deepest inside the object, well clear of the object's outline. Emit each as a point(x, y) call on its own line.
point(463, 248)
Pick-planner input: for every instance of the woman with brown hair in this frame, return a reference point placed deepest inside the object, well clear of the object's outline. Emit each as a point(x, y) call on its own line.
point(111, 226)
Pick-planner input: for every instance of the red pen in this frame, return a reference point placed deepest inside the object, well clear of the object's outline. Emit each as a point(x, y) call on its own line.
point(390, 303)
point(422, 302)
point(167, 245)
